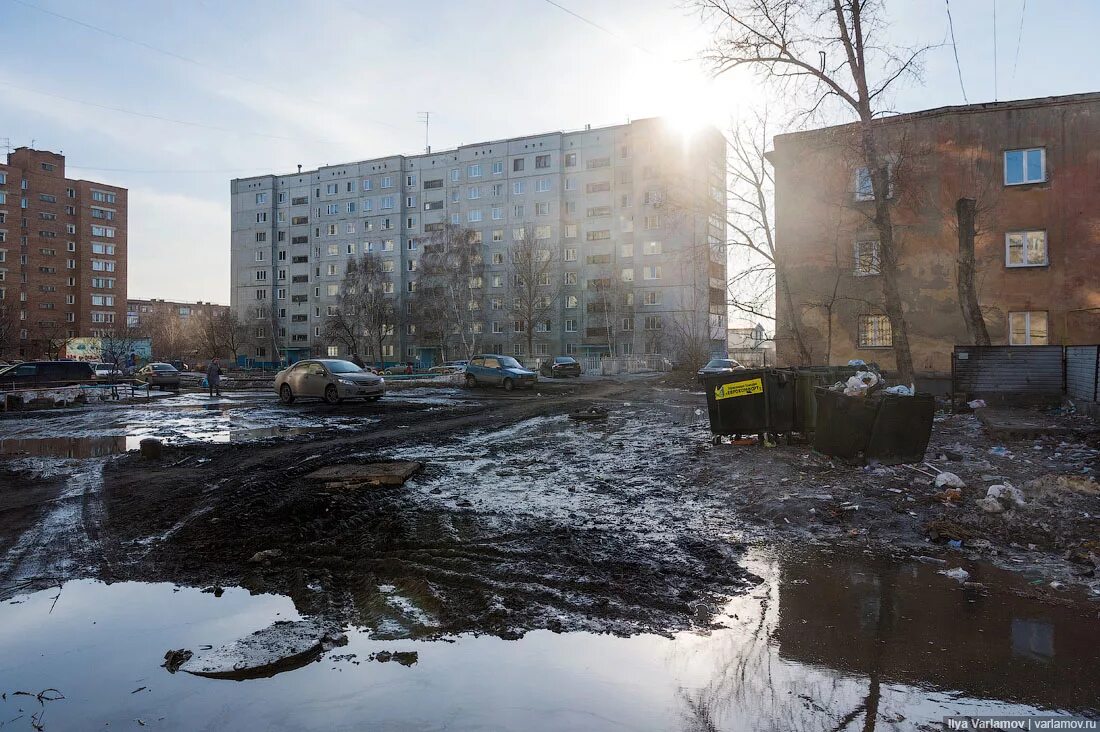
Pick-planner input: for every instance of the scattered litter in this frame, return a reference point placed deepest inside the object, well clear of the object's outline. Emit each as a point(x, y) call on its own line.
point(363, 475)
point(265, 556)
point(857, 363)
point(976, 403)
point(949, 480)
point(1006, 493)
point(590, 414)
point(930, 560)
point(900, 390)
point(861, 383)
point(955, 543)
point(1056, 585)
point(999, 451)
point(174, 659)
point(958, 574)
point(989, 505)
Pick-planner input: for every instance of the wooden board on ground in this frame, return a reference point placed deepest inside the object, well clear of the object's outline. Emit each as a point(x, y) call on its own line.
point(354, 475)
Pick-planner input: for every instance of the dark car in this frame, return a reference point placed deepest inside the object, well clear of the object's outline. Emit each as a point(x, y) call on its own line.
point(560, 366)
point(497, 370)
point(162, 375)
point(718, 366)
point(46, 374)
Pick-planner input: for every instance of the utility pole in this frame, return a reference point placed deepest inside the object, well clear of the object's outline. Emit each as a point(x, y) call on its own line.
point(425, 117)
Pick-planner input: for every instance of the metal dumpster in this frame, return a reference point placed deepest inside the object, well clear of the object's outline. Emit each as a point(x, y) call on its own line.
point(882, 428)
point(807, 378)
point(750, 402)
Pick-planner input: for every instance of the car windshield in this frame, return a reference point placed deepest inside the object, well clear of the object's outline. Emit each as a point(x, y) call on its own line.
point(509, 363)
point(342, 367)
point(163, 367)
point(565, 359)
point(719, 363)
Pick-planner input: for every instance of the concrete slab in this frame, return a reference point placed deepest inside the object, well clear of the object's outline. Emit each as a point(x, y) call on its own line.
point(356, 475)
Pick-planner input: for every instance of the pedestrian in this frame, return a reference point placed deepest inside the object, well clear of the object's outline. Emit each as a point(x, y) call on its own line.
point(214, 377)
point(357, 361)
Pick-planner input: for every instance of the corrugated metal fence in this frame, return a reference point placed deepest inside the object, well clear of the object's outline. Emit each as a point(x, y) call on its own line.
point(982, 371)
point(1083, 372)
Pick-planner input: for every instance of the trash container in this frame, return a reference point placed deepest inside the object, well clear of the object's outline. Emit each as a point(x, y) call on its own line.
point(903, 426)
point(750, 402)
point(807, 378)
point(884, 428)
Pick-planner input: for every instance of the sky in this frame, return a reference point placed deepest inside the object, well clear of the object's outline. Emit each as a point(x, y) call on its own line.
point(172, 100)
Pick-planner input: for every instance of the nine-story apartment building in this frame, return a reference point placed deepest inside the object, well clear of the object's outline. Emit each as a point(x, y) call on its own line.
point(638, 205)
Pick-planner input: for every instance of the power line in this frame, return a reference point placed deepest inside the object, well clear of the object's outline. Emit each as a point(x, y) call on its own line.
point(178, 56)
point(951, 25)
point(602, 28)
point(161, 118)
point(1019, 38)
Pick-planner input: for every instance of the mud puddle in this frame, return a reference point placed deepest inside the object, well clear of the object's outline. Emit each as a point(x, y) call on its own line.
point(828, 637)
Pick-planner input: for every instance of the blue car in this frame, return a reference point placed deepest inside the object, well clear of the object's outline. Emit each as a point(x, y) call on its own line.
point(496, 370)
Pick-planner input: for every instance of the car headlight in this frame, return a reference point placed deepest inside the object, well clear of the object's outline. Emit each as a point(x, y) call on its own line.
point(349, 382)
point(381, 381)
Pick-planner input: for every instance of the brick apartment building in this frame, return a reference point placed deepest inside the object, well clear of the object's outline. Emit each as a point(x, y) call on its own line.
point(62, 252)
point(141, 313)
point(1033, 168)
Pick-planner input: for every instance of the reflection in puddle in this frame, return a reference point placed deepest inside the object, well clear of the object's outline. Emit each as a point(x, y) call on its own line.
point(829, 641)
point(90, 447)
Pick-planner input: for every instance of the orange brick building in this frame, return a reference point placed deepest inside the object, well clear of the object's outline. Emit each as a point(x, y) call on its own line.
point(1033, 168)
point(62, 253)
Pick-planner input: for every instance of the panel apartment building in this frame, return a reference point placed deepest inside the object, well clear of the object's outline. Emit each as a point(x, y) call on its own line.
point(639, 202)
point(1033, 169)
point(62, 253)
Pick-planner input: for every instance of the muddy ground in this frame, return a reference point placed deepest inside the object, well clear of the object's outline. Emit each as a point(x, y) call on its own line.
point(523, 519)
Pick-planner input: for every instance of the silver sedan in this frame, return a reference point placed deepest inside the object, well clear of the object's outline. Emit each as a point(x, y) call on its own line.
point(330, 379)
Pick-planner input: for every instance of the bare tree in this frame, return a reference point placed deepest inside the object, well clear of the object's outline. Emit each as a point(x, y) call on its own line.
point(219, 334)
point(9, 328)
point(172, 339)
point(118, 342)
point(611, 304)
point(533, 288)
point(447, 302)
point(790, 41)
point(54, 339)
point(365, 307)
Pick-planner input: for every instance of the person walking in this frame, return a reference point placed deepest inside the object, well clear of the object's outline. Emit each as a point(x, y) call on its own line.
point(214, 377)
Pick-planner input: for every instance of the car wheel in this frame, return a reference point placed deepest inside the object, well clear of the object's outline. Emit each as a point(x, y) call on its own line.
point(332, 395)
point(509, 385)
point(286, 396)
point(471, 382)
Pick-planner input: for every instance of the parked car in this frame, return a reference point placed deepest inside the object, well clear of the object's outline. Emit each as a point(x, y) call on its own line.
point(718, 366)
point(45, 374)
point(449, 367)
point(560, 366)
point(497, 370)
point(398, 369)
point(331, 379)
point(159, 375)
point(107, 371)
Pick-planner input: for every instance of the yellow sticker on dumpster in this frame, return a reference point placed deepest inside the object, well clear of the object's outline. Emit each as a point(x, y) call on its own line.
point(739, 388)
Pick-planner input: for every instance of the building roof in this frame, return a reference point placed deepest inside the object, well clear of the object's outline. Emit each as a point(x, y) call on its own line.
point(978, 108)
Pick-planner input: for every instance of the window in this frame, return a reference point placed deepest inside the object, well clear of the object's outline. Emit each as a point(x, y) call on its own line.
point(571, 160)
point(261, 294)
point(542, 208)
point(259, 255)
point(518, 187)
point(866, 258)
point(570, 254)
point(597, 163)
point(542, 185)
point(627, 324)
point(410, 180)
point(261, 274)
point(387, 201)
point(1025, 166)
point(652, 273)
point(473, 216)
point(598, 211)
point(653, 222)
point(473, 193)
point(517, 165)
point(518, 211)
point(498, 280)
point(653, 322)
point(598, 235)
point(570, 325)
point(652, 298)
point(571, 302)
point(1027, 328)
point(433, 205)
point(498, 167)
point(261, 217)
point(387, 181)
point(455, 175)
point(570, 184)
point(598, 187)
point(542, 161)
point(101, 248)
point(875, 332)
point(261, 198)
point(569, 231)
point(474, 171)
point(1026, 249)
point(497, 213)
point(367, 185)
point(626, 251)
point(627, 275)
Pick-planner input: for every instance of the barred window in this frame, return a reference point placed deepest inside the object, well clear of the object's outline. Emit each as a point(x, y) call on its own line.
point(867, 258)
point(875, 331)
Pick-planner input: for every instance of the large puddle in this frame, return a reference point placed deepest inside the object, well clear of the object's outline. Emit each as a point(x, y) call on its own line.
point(829, 641)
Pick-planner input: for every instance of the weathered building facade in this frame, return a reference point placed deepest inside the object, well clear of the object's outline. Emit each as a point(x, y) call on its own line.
point(600, 201)
point(141, 313)
point(1032, 168)
point(62, 253)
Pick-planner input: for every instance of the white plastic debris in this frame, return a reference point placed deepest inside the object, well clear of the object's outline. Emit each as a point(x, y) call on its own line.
point(958, 574)
point(989, 505)
point(1006, 493)
point(859, 384)
point(857, 362)
point(976, 403)
point(949, 480)
point(900, 390)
